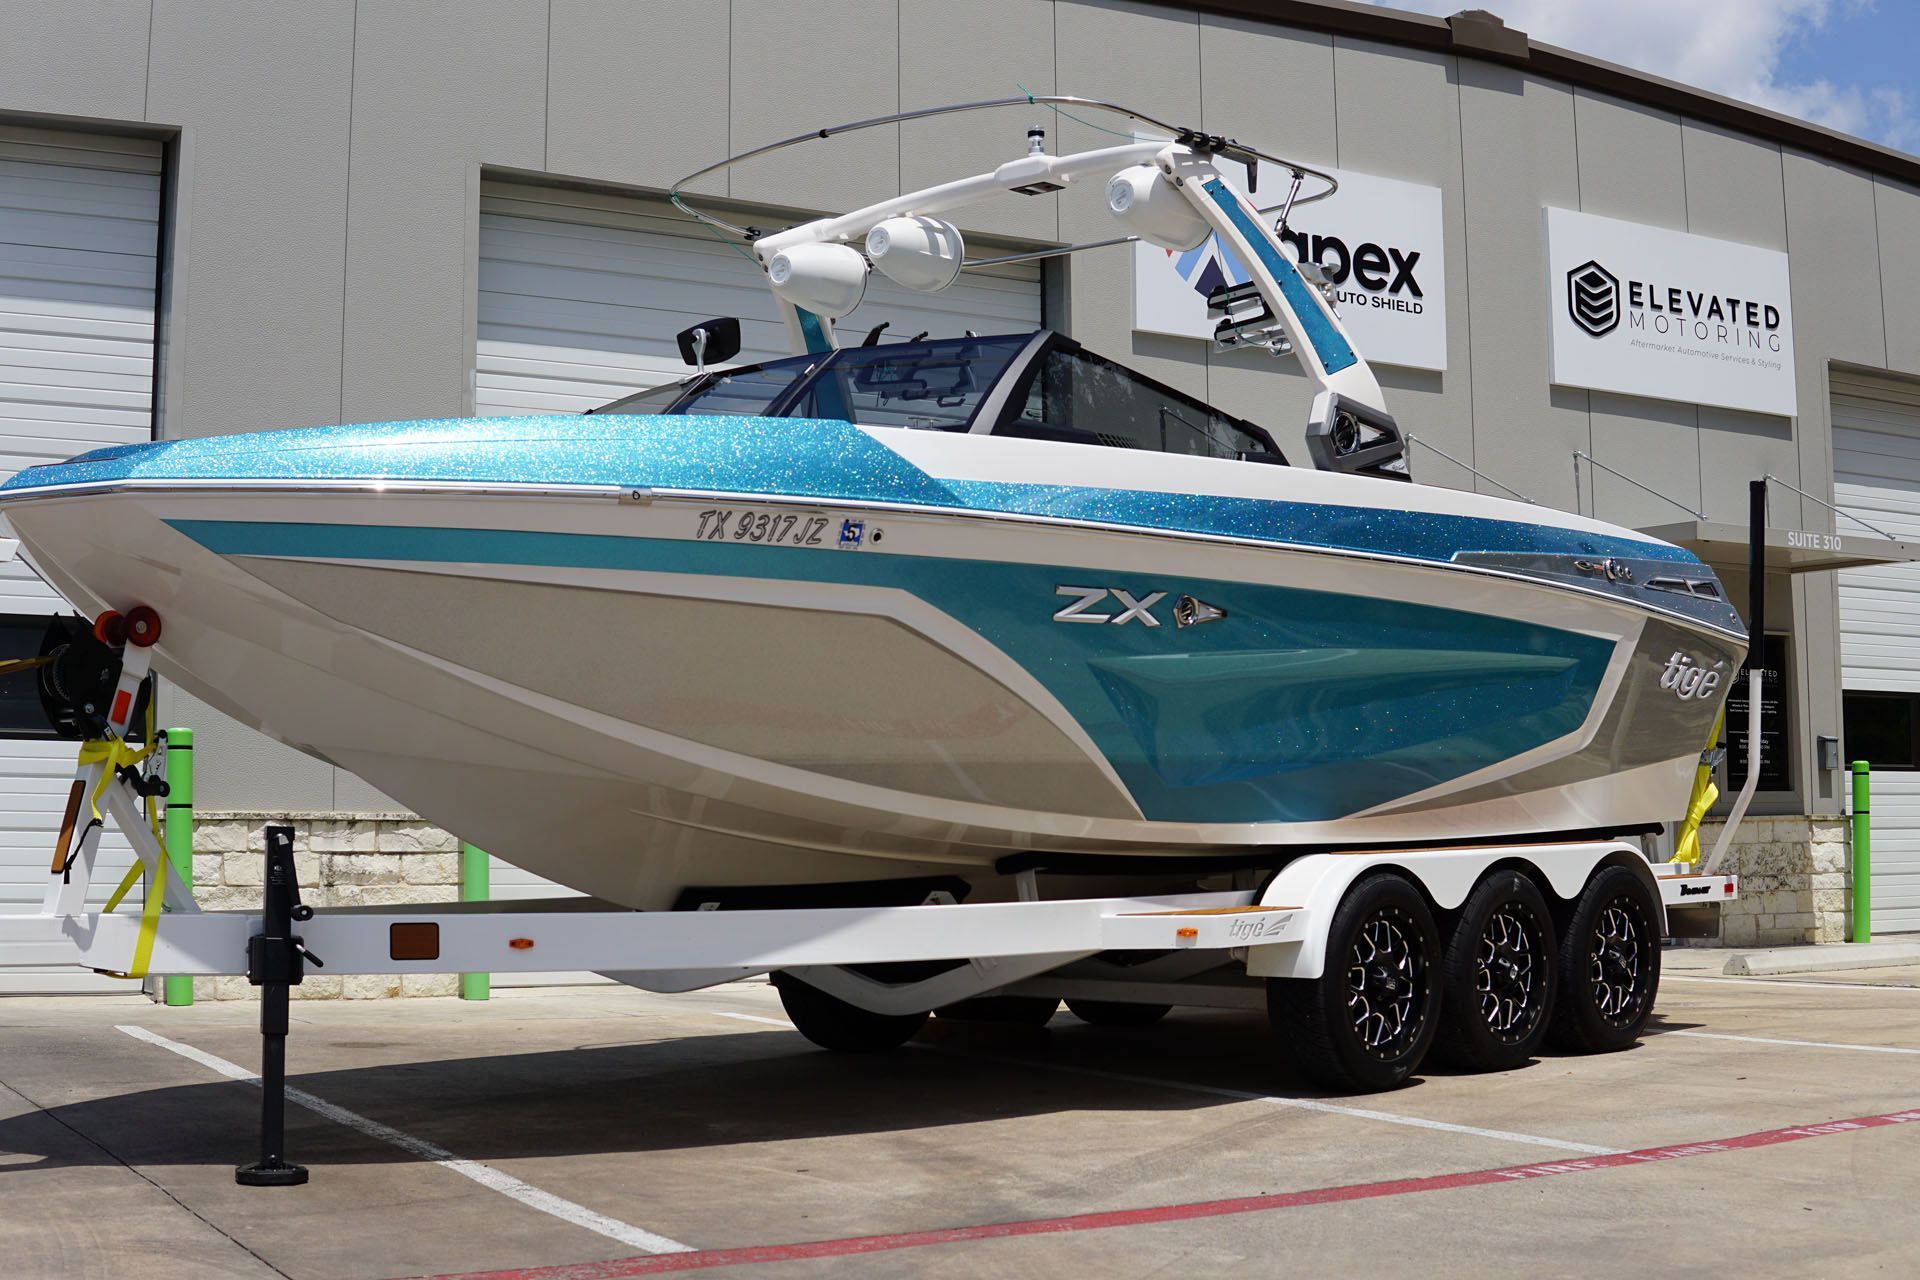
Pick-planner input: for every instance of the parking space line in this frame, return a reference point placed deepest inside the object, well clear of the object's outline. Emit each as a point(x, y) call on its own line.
point(852, 1246)
point(1242, 1095)
point(1798, 1044)
point(486, 1175)
point(1782, 982)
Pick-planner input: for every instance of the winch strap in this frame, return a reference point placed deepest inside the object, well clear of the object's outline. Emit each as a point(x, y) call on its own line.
point(149, 918)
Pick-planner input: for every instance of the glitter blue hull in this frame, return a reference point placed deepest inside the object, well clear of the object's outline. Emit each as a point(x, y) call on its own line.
point(777, 651)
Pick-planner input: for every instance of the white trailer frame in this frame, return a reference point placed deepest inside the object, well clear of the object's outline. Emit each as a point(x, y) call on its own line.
point(1278, 930)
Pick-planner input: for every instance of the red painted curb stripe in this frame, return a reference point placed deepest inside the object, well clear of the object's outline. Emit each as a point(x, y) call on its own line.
point(659, 1264)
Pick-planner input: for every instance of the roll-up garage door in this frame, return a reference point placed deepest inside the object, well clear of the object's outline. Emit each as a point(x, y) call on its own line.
point(1876, 475)
point(79, 244)
point(581, 295)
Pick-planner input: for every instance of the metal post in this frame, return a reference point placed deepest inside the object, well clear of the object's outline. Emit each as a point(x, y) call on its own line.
point(1862, 858)
point(1756, 660)
point(476, 885)
point(274, 962)
point(179, 829)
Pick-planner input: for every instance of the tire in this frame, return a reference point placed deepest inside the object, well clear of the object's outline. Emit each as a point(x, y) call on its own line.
point(1116, 1013)
point(1367, 1022)
point(1499, 976)
point(1015, 1011)
point(832, 1023)
point(1609, 965)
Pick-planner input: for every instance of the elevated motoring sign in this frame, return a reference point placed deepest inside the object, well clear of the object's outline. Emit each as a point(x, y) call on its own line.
point(1381, 242)
point(1658, 313)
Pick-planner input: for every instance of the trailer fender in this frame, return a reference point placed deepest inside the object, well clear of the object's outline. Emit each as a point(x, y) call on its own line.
point(1316, 884)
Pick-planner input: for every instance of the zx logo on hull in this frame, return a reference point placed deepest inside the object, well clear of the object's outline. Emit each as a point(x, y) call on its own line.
point(1187, 611)
point(1130, 608)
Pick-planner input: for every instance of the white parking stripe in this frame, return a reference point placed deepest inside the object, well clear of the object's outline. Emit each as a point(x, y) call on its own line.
point(1798, 1044)
point(1243, 1095)
point(486, 1175)
point(1782, 982)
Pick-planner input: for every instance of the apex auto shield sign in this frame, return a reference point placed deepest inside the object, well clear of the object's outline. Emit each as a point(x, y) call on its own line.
point(1381, 242)
point(1672, 316)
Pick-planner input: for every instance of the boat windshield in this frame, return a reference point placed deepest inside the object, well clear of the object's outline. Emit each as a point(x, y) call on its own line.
point(1038, 387)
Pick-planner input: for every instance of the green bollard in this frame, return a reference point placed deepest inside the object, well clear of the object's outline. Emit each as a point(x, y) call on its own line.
point(179, 832)
point(475, 886)
point(1862, 858)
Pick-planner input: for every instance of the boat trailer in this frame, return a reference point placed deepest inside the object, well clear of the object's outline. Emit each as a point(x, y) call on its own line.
point(865, 977)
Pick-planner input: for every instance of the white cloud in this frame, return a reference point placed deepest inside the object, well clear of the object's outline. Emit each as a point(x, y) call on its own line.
point(1731, 47)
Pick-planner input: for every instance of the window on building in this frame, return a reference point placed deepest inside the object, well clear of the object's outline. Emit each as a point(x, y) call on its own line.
point(1882, 728)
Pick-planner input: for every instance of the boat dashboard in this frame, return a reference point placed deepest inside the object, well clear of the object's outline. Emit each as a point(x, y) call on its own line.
point(1038, 386)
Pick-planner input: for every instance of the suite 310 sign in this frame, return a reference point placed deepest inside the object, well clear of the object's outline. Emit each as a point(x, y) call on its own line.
point(1672, 316)
point(1382, 243)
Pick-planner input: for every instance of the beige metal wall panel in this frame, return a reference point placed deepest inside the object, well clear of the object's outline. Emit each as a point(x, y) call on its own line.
point(1735, 192)
point(798, 68)
point(468, 78)
point(1274, 89)
point(1517, 141)
point(261, 93)
point(1897, 217)
point(1413, 133)
point(638, 93)
point(76, 57)
point(1631, 168)
point(984, 49)
point(1145, 57)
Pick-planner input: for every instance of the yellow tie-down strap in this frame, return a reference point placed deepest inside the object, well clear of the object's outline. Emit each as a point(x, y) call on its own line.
point(1687, 847)
point(116, 754)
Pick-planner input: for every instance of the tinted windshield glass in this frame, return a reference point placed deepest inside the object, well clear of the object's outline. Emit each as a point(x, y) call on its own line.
point(931, 385)
point(653, 401)
point(1080, 398)
point(749, 391)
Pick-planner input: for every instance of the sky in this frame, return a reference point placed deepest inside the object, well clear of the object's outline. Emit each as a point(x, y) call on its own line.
point(1846, 64)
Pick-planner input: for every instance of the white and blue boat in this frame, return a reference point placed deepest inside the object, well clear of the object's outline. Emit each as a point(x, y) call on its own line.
point(945, 608)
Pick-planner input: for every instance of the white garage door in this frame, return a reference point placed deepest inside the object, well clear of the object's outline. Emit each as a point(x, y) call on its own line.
point(1876, 466)
point(79, 236)
point(581, 295)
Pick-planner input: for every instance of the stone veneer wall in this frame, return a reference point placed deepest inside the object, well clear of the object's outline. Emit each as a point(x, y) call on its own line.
point(1793, 880)
point(343, 860)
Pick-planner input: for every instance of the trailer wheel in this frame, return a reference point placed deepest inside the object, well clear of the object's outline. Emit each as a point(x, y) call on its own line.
point(832, 1023)
point(1117, 1013)
point(1017, 1011)
point(1367, 1022)
point(1609, 965)
point(1499, 976)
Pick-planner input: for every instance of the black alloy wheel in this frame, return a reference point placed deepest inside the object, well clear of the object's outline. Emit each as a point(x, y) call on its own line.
point(1500, 971)
point(1367, 1022)
point(1609, 964)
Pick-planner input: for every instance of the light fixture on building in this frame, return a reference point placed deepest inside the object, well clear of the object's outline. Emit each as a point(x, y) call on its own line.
point(826, 279)
point(922, 254)
point(1145, 203)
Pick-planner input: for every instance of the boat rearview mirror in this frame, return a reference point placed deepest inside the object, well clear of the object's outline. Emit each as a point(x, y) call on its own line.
point(710, 341)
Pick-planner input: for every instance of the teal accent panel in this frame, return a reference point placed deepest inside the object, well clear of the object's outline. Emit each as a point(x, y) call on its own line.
point(1298, 706)
point(813, 332)
point(1334, 351)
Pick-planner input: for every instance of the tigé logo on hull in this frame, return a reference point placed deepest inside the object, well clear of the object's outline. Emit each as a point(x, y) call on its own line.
point(1687, 680)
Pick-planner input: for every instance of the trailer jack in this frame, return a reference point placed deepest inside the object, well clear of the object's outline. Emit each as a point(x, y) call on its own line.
point(276, 961)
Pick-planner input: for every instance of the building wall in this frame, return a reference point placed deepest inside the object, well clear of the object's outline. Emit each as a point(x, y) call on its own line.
point(328, 155)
